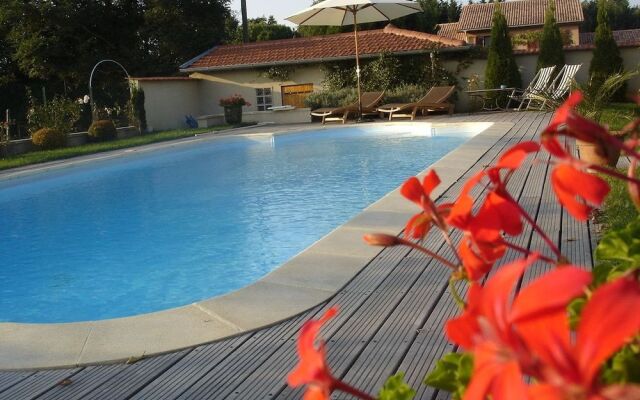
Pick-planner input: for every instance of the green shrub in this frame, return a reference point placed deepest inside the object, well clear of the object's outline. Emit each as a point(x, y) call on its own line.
point(138, 111)
point(103, 130)
point(551, 51)
point(501, 64)
point(48, 138)
point(331, 98)
point(60, 114)
point(404, 94)
point(606, 55)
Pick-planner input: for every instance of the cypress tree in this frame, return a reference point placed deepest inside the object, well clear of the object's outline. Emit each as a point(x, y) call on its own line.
point(606, 55)
point(501, 64)
point(551, 52)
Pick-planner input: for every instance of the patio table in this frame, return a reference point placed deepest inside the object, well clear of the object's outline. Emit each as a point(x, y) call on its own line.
point(491, 95)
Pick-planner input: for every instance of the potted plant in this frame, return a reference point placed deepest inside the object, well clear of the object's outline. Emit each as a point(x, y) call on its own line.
point(596, 98)
point(233, 108)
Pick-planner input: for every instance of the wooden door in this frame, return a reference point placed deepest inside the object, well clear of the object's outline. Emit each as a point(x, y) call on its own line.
point(294, 95)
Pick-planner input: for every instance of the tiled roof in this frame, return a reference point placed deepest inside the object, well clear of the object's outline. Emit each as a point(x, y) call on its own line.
point(451, 30)
point(318, 48)
point(476, 17)
point(628, 36)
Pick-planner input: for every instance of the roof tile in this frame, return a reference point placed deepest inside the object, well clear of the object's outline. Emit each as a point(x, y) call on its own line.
point(475, 17)
point(315, 48)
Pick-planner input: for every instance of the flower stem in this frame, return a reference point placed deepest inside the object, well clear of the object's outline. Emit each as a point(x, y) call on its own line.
point(536, 228)
point(352, 391)
point(454, 292)
point(525, 251)
point(615, 174)
point(429, 253)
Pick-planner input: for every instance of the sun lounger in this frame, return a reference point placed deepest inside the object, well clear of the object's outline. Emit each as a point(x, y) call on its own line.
point(558, 89)
point(370, 101)
point(538, 85)
point(435, 100)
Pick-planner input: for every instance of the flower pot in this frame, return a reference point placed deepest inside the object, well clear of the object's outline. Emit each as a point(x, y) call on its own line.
point(233, 114)
point(594, 154)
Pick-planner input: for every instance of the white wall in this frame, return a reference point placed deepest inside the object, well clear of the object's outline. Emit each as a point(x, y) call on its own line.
point(168, 101)
point(216, 85)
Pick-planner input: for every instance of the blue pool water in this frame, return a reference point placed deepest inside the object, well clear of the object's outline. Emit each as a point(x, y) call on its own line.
point(150, 231)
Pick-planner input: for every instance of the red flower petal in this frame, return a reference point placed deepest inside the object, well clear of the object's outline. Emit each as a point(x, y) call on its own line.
point(569, 183)
point(430, 181)
point(464, 329)
point(607, 322)
point(554, 147)
point(312, 368)
point(562, 112)
point(498, 289)
point(565, 283)
point(514, 157)
point(473, 264)
point(418, 226)
point(412, 190)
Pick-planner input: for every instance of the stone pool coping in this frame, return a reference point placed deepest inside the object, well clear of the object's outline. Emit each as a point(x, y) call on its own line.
point(306, 280)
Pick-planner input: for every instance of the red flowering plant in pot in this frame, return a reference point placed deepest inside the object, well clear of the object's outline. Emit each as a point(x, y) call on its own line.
point(233, 108)
point(570, 334)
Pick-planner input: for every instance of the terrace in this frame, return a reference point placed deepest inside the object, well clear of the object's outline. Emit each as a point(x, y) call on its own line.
point(391, 312)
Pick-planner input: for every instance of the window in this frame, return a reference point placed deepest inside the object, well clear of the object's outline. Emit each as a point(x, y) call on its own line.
point(264, 100)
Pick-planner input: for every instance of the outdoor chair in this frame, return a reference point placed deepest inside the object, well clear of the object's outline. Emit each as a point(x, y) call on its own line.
point(558, 88)
point(436, 99)
point(370, 101)
point(538, 85)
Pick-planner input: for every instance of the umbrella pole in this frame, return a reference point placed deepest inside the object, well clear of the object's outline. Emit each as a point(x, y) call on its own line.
point(355, 31)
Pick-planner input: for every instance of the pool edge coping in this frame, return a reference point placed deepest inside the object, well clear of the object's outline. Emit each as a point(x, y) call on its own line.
point(293, 288)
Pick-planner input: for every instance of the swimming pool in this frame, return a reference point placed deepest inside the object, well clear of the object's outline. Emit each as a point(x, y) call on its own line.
point(166, 228)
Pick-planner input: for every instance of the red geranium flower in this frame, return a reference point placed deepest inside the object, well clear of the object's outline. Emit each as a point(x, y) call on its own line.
point(312, 370)
point(607, 322)
point(577, 190)
point(487, 328)
point(420, 193)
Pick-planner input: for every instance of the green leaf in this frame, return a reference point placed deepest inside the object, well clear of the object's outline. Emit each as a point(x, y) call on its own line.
point(452, 373)
point(396, 389)
point(624, 366)
point(621, 246)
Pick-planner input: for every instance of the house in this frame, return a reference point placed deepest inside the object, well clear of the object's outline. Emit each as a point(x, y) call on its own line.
point(524, 17)
point(271, 74)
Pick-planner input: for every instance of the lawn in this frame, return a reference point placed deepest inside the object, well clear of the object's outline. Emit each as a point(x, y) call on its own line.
point(37, 157)
point(617, 115)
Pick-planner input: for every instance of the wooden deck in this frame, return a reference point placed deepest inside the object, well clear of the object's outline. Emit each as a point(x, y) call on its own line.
point(391, 317)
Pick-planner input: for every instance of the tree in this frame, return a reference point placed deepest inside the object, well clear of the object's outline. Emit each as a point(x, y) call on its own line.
point(501, 64)
point(621, 15)
point(176, 31)
point(551, 51)
point(606, 55)
point(245, 25)
point(263, 28)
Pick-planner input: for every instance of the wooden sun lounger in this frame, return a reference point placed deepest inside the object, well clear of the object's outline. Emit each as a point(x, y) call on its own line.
point(369, 100)
point(435, 100)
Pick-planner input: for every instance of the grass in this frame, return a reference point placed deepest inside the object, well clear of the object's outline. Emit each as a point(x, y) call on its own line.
point(618, 210)
point(617, 115)
point(41, 156)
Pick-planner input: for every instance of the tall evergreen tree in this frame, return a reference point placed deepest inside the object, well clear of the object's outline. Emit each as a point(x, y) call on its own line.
point(606, 55)
point(551, 52)
point(501, 64)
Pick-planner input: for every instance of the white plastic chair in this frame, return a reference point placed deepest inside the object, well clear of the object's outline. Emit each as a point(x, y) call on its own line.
point(559, 87)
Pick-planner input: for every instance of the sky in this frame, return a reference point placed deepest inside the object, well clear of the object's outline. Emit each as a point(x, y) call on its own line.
point(281, 9)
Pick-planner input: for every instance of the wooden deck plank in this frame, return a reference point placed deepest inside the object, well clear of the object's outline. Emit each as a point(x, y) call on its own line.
point(84, 382)
point(37, 384)
point(135, 376)
point(9, 379)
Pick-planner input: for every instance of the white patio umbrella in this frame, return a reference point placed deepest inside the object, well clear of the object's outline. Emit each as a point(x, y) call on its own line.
point(352, 12)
